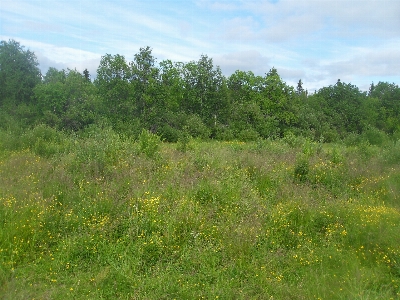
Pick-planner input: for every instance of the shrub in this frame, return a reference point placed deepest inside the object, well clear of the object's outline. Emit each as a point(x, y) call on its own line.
point(149, 143)
point(98, 148)
point(10, 141)
point(223, 133)
point(197, 128)
point(374, 136)
point(169, 134)
point(301, 169)
point(44, 140)
point(292, 140)
point(366, 150)
point(335, 156)
point(247, 135)
point(184, 142)
point(352, 139)
point(328, 134)
point(310, 148)
point(392, 153)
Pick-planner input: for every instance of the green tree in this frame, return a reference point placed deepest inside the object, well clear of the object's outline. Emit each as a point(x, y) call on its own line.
point(313, 121)
point(278, 100)
point(19, 73)
point(205, 91)
point(342, 104)
point(169, 116)
point(86, 74)
point(300, 91)
point(245, 87)
point(145, 84)
point(171, 76)
point(50, 95)
point(112, 82)
point(53, 75)
point(66, 99)
point(388, 95)
point(246, 115)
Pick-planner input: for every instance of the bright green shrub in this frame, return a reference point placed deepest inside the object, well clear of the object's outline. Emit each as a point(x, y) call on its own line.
point(196, 127)
point(301, 169)
point(374, 136)
point(248, 134)
point(149, 144)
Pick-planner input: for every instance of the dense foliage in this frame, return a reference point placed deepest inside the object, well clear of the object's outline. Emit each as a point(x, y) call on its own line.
point(174, 99)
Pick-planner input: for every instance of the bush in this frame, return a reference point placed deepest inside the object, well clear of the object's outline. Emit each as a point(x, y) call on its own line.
point(328, 134)
point(44, 140)
point(293, 140)
point(366, 150)
point(310, 148)
point(301, 169)
point(374, 136)
point(98, 148)
point(392, 153)
point(149, 143)
point(9, 123)
point(223, 133)
point(247, 135)
point(43, 132)
point(169, 134)
point(197, 128)
point(184, 142)
point(51, 119)
point(336, 156)
point(352, 139)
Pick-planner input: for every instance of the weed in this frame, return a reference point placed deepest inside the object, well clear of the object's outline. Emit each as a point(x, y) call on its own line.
point(301, 169)
point(97, 215)
point(184, 140)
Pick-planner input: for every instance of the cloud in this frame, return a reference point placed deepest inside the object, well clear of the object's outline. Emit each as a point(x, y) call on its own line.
point(218, 5)
point(317, 41)
point(380, 62)
point(224, 6)
point(49, 55)
point(357, 65)
point(42, 27)
point(185, 28)
point(293, 27)
point(244, 61)
point(239, 28)
point(291, 75)
point(285, 20)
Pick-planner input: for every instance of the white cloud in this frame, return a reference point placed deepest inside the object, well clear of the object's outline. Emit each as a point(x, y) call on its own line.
point(357, 18)
point(317, 41)
point(239, 29)
point(244, 61)
point(379, 62)
point(224, 6)
point(61, 57)
point(293, 27)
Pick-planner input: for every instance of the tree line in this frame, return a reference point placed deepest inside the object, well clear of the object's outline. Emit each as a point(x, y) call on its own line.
point(173, 99)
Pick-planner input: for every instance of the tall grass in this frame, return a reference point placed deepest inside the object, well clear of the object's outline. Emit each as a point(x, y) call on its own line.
point(100, 216)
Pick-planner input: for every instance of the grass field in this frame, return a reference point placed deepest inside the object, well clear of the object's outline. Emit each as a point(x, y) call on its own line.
point(100, 216)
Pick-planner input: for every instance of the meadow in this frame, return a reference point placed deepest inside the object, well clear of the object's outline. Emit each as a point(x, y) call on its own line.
point(98, 215)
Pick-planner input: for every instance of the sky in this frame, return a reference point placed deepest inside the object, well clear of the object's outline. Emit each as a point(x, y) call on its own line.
point(317, 41)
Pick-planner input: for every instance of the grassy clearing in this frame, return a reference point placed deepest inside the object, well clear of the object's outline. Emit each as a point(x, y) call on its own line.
point(100, 216)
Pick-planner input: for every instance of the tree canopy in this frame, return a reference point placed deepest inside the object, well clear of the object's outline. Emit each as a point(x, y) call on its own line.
point(174, 99)
point(19, 73)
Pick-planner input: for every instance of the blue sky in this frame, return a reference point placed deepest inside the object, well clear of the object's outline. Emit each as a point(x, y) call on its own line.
point(317, 41)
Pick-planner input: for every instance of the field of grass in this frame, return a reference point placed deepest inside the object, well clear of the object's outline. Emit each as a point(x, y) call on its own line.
point(100, 216)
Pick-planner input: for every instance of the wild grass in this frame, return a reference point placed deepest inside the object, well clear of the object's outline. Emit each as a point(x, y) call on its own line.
point(99, 216)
